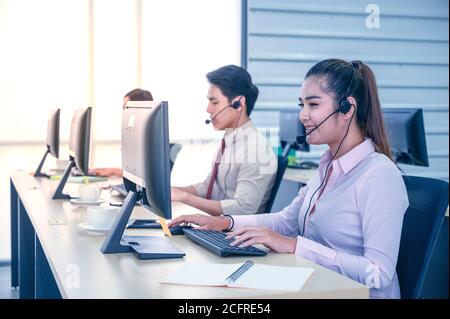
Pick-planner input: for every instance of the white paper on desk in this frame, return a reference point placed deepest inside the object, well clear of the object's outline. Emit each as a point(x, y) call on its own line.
point(201, 274)
point(273, 278)
point(257, 277)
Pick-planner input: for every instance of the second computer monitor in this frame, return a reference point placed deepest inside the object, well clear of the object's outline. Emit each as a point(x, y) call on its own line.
point(146, 154)
point(79, 143)
point(291, 127)
point(406, 133)
point(53, 133)
point(52, 141)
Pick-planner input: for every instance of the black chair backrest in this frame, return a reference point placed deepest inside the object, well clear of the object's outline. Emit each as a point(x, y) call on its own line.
point(282, 164)
point(428, 202)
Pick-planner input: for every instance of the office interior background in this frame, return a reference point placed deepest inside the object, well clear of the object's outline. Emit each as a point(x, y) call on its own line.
point(77, 53)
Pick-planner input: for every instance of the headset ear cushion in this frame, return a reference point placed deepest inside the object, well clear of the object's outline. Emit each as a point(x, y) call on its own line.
point(236, 104)
point(345, 106)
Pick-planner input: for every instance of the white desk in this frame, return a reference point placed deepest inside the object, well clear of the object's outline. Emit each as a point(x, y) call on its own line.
point(299, 175)
point(62, 260)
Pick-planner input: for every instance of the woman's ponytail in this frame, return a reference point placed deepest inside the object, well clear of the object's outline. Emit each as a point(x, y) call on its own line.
point(373, 123)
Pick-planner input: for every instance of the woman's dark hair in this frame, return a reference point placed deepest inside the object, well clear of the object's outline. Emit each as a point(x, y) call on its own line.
point(234, 81)
point(363, 88)
point(139, 95)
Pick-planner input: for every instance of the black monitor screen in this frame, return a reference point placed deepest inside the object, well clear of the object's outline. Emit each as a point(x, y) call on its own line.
point(406, 134)
point(53, 133)
point(291, 127)
point(79, 143)
point(146, 153)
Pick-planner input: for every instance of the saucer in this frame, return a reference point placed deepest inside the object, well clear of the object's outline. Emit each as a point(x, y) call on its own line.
point(92, 228)
point(78, 201)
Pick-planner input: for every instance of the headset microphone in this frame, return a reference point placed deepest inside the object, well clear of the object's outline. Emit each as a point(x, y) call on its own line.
point(302, 138)
point(235, 105)
point(344, 107)
point(212, 119)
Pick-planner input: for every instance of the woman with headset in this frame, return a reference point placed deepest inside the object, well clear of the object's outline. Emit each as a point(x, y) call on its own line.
point(349, 216)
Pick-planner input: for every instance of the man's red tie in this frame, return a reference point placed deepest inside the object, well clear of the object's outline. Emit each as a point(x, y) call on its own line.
point(215, 170)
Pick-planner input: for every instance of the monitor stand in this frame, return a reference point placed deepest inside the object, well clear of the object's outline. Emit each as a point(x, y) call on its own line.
point(38, 172)
point(286, 149)
point(143, 247)
point(59, 190)
point(144, 224)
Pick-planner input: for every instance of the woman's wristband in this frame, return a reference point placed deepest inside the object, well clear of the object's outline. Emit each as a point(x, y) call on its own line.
point(231, 222)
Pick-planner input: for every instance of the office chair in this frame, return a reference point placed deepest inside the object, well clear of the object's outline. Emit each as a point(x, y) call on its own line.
point(174, 150)
point(282, 164)
point(428, 202)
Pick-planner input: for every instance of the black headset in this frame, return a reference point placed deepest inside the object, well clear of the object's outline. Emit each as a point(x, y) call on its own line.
point(344, 104)
point(237, 104)
point(344, 107)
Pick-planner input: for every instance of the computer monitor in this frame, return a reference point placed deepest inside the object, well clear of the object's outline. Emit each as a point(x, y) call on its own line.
point(291, 127)
point(52, 142)
point(146, 154)
point(79, 145)
point(146, 176)
point(406, 133)
point(80, 139)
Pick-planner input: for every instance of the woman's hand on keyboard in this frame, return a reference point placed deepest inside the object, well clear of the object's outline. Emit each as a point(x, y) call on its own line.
point(251, 235)
point(205, 222)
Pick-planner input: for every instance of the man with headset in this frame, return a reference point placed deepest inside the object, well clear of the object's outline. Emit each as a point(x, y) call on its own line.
point(243, 173)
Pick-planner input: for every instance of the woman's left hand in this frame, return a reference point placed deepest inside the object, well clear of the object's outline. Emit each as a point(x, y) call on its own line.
point(250, 235)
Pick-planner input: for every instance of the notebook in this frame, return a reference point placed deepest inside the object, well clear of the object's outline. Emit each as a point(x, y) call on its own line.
point(245, 275)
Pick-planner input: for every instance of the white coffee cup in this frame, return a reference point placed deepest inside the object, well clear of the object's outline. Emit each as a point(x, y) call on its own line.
point(102, 217)
point(89, 192)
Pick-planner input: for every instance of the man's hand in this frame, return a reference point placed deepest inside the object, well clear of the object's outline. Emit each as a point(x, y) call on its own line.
point(178, 194)
point(106, 172)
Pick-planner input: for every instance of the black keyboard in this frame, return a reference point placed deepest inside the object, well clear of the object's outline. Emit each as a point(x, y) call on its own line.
point(218, 244)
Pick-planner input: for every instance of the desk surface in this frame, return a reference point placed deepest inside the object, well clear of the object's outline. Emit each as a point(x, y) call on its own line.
point(299, 175)
point(82, 271)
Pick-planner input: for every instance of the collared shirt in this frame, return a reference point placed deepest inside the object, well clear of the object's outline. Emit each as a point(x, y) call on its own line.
point(246, 172)
point(356, 226)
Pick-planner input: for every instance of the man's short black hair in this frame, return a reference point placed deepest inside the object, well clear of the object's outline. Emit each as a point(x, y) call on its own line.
point(139, 95)
point(233, 81)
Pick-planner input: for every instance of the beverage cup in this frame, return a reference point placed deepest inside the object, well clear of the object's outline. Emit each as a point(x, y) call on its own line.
point(89, 193)
point(102, 217)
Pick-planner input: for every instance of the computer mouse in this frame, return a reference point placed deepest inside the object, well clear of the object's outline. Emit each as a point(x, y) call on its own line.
point(178, 230)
